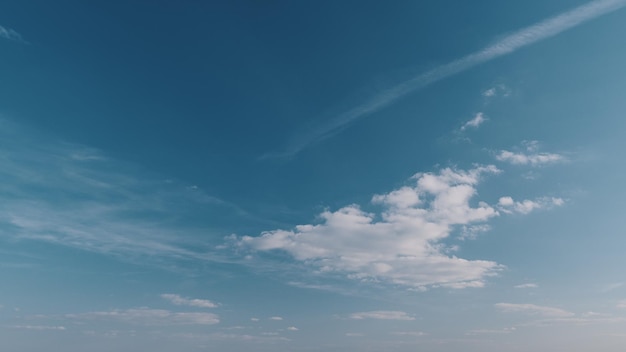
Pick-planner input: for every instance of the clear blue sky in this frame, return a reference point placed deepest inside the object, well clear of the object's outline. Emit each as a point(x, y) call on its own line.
point(312, 176)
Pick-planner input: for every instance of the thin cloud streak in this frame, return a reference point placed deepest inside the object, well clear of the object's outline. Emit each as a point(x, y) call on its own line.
point(9, 34)
point(517, 40)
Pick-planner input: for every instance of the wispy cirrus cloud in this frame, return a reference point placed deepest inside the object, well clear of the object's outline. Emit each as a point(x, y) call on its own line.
point(382, 315)
point(533, 309)
point(39, 327)
point(149, 317)
point(10, 34)
point(75, 196)
point(507, 45)
point(182, 301)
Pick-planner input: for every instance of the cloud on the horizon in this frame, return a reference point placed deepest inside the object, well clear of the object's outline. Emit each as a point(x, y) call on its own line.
point(532, 309)
point(149, 317)
point(181, 301)
point(382, 315)
point(504, 46)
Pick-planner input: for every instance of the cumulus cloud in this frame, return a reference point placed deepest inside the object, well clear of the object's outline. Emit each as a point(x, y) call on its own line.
point(402, 245)
point(276, 318)
point(292, 328)
point(181, 301)
point(527, 286)
point(382, 315)
point(478, 120)
point(530, 155)
point(509, 206)
point(150, 317)
point(532, 309)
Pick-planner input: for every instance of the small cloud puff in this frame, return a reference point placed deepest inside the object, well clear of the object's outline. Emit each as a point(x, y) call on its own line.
point(276, 318)
point(498, 90)
point(292, 328)
point(478, 120)
point(526, 286)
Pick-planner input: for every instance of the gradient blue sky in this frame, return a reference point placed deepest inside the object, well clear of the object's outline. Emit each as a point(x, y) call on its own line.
point(312, 176)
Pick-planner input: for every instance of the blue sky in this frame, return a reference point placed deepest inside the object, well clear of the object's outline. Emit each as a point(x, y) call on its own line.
point(303, 176)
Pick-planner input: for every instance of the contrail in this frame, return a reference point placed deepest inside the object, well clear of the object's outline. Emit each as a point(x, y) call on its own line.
point(519, 39)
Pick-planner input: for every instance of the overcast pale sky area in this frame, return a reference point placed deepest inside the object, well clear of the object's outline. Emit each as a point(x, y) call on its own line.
point(334, 176)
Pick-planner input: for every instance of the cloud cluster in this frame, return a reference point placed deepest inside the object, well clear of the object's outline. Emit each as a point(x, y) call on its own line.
point(530, 156)
point(181, 301)
point(402, 245)
point(509, 206)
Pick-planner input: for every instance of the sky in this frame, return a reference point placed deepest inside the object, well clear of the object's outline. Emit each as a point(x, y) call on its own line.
point(312, 176)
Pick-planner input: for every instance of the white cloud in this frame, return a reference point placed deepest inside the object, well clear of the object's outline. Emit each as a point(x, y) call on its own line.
point(181, 301)
point(409, 333)
point(471, 232)
point(403, 247)
point(150, 317)
point(254, 319)
point(276, 318)
point(354, 334)
point(478, 120)
point(509, 206)
point(490, 331)
point(8, 33)
point(382, 315)
point(71, 195)
point(527, 286)
point(490, 92)
point(533, 309)
point(497, 90)
point(292, 328)
point(532, 159)
point(39, 327)
point(506, 45)
point(621, 304)
point(530, 156)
